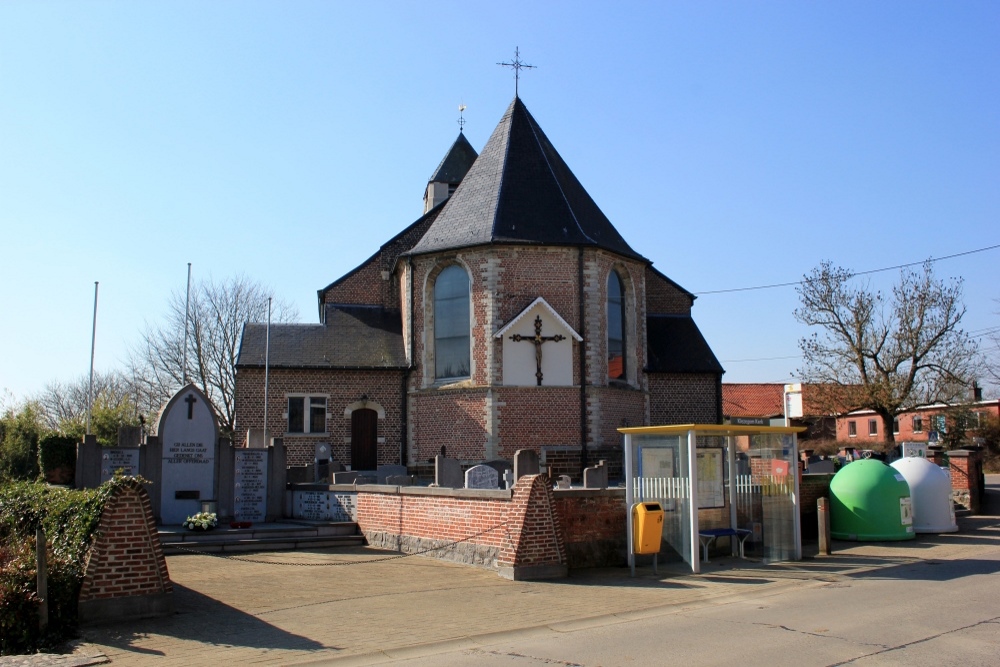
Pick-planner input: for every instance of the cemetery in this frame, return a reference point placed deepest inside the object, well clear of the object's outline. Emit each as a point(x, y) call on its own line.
point(740, 491)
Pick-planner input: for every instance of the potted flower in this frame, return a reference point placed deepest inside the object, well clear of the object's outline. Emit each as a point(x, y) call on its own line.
point(201, 521)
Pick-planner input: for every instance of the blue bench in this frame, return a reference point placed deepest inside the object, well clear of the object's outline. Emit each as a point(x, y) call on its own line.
point(709, 535)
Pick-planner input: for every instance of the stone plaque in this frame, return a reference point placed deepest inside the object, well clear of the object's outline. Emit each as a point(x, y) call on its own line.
point(189, 433)
point(250, 485)
point(125, 459)
point(323, 506)
point(386, 471)
point(481, 477)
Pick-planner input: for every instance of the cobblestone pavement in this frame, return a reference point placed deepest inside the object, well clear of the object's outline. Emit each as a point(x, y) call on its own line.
point(293, 607)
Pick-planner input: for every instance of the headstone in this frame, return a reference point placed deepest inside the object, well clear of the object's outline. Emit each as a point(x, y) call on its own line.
point(399, 480)
point(348, 477)
point(189, 433)
point(258, 438)
point(322, 452)
point(448, 472)
point(481, 477)
point(367, 477)
point(564, 482)
point(596, 477)
point(525, 463)
point(388, 471)
point(125, 459)
point(508, 479)
point(824, 466)
point(324, 506)
point(129, 436)
point(250, 487)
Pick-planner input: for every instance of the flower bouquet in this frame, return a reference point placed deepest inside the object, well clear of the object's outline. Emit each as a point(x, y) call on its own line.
point(201, 521)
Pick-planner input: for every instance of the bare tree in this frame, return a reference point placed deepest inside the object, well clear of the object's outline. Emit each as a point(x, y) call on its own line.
point(883, 354)
point(218, 312)
point(62, 404)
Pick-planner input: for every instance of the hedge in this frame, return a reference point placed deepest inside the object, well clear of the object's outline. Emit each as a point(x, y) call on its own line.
point(69, 519)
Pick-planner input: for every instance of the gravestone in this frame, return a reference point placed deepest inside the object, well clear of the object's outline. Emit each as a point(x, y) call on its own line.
point(448, 472)
point(525, 463)
point(823, 466)
point(386, 471)
point(595, 477)
point(258, 438)
point(189, 432)
point(322, 452)
point(348, 477)
point(564, 482)
point(399, 480)
point(481, 477)
point(125, 459)
point(250, 487)
point(508, 479)
point(129, 436)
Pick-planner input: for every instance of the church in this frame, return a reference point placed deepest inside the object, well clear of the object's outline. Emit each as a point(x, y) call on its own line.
point(510, 315)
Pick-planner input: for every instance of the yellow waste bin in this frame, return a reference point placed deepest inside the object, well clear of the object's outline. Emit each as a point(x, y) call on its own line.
point(647, 528)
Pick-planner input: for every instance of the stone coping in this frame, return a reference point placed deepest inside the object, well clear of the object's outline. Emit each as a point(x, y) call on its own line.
point(498, 494)
point(580, 492)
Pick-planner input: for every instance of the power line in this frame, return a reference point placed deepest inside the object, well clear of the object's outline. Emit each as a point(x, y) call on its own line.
point(856, 273)
point(741, 361)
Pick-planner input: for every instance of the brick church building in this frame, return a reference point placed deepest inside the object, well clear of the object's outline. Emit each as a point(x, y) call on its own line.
point(511, 315)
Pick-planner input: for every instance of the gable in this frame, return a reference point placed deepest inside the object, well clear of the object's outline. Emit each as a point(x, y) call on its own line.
point(521, 358)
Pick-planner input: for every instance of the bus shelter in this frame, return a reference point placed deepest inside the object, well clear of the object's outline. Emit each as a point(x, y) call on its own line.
point(716, 480)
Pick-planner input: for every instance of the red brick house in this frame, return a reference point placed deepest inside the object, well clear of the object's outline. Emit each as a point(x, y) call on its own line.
point(766, 400)
point(511, 315)
point(925, 424)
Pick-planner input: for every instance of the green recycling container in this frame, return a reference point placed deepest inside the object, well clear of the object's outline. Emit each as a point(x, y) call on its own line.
point(870, 501)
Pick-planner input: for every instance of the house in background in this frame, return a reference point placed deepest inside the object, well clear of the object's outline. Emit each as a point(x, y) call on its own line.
point(510, 315)
point(766, 401)
point(929, 423)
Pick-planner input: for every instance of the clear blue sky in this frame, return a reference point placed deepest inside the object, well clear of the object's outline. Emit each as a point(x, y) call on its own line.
point(733, 143)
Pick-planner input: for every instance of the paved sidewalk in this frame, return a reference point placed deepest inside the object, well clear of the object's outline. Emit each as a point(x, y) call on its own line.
point(333, 605)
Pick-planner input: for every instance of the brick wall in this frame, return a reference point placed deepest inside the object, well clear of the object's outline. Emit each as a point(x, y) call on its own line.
point(517, 533)
point(966, 470)
point(343, 389)
point(593, 522)
point(125, 574)
point(683, 399)
point(665, 298)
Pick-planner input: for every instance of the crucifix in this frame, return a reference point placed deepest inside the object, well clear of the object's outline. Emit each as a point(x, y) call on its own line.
point(190, 400)
point(538, 339)
point(517, 66)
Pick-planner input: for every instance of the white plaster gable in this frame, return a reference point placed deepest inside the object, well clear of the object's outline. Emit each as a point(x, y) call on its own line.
point(520, 363)
point(529, 313)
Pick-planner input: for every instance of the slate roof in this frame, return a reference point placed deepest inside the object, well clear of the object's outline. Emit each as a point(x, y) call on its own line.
point(368, 337)
point(456, 162)
point(675, 345)
point(520, 191)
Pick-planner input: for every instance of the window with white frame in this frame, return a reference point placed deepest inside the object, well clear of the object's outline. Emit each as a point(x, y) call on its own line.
point(918, 424)
point(872, 427)
point(895, 424)
point(306, 414)
point(852, 428)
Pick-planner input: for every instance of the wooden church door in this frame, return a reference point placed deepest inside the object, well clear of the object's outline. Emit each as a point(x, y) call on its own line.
point(364, 438)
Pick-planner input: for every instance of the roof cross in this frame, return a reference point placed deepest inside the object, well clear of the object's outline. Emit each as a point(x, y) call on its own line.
point(538, 339)
point(517, 66)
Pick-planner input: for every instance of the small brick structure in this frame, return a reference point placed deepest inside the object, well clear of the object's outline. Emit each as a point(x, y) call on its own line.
point(966, 469)
point(126, 574)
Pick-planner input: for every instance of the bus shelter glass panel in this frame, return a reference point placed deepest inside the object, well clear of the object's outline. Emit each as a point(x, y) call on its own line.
point(660, 465)
point(765, 495)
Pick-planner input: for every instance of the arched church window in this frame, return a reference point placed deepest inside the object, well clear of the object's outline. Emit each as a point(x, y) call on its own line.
point(451, 323)
point(616, 327)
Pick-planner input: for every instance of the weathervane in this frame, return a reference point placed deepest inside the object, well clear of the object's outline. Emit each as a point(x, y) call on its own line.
point(517, 66)
point(461, 117)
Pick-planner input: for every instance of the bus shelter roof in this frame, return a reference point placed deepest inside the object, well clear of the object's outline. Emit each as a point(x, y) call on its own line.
point(711, 429)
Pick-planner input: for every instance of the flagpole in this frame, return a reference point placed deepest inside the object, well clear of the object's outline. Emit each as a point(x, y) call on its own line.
point(187, 314)
point(93, 344)
point(267, 360)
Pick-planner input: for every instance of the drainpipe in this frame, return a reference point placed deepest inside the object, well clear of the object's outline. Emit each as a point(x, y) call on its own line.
point(583, 366)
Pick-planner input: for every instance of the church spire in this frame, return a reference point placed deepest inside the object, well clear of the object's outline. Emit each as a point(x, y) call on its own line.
point(452, 169)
